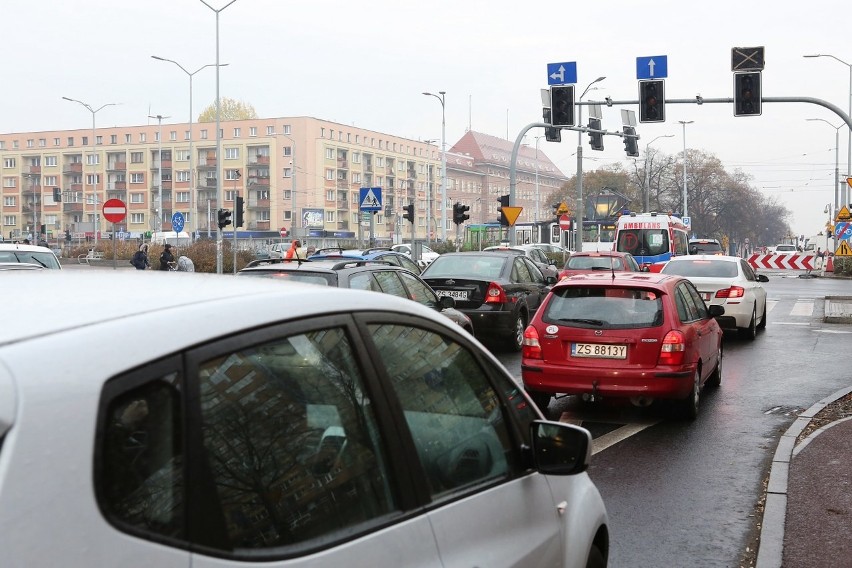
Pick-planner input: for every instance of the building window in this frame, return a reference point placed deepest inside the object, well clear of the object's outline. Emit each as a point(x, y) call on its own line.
point(286, 129)
point(93, 159)
point(329, 216)
point(288, 151)
point(137, 157)
point(288, 172)
point(237, 133)
point(356, 177)
point(92, 179)
point(262, 194)
point(252, 130)
point(42, 142)
point(182, 196)
point(230, 194)
point(49, 181)
point(137, 198)
point(157, 136)
point(233, 175)
point(56, 142)
point(186, 134)
point(99, 140)
point(183, 175)
point(137, 218)
point(85, 141)
point(50, 160)
point(113, 138)
point(9, 182)
point(128, 138)
point(329, 153)
point(204, 134)
point(330, 195)
point(356, 157)
point(9, 220)
point(143, 137)
point(232, 153)
point(9, 162)
point(329, 174)
point(137, 178)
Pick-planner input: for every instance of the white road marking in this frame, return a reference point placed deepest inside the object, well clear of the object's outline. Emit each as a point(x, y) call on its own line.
point(770, 304)
point(616, 436)
point(802, 308)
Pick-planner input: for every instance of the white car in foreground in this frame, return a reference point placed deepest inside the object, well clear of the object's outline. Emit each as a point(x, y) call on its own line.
point(727, 281)
point(240, 422)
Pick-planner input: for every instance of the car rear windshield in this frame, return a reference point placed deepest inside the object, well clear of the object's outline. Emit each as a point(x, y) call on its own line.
point(703, 248)
point(44, 259)
point(292, 276)
point(595, 263)
point(699, 268)
point(604, 307)
point(466, 266)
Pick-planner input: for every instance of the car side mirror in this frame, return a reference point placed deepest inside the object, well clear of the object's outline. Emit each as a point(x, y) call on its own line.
point(716, 310)
point(550, 280)
point(762, 278)
point(693, 250)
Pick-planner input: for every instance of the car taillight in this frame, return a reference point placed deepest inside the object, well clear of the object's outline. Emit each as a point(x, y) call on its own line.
point(531, 348)
point(732, 292)
point(495, 294)
point(673, 348)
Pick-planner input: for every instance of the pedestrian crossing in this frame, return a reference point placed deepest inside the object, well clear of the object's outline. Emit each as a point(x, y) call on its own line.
point(791, 311)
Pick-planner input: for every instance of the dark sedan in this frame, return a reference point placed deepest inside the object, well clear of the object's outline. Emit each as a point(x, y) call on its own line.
point(500, 292)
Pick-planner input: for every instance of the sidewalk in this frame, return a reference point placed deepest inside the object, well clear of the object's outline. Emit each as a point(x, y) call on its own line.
point(807, 519)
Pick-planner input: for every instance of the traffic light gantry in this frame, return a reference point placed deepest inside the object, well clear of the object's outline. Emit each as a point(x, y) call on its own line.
point(460, 213)
point(223, 217)
point(504, 202)
point(409, 212)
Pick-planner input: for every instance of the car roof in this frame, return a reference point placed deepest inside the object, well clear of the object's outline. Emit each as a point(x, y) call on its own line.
point(704, 241)
point(707, 257)
point(330, 263)
point(601, 253)
point(23, 247)
point(191, 303)
point(630, 279)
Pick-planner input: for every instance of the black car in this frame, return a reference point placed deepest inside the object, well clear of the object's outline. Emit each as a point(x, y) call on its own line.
point(372, 275)
point(500, 292)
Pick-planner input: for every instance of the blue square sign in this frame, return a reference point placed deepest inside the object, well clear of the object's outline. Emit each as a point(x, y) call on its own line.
point(371, 199)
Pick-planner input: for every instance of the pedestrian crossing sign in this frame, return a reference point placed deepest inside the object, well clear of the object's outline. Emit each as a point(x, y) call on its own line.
point(371, 199)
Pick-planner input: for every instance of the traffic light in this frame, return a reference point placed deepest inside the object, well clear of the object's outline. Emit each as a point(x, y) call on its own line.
point(459, 213)
point(562, 105)
point(630, 144)
point(550, 134)
point(504, 202)
point(409, 212)
point(652, 101)
point(67, 236)
point(238, 209)
point(57, 195)
point(224, 217)
point(596, 137)
point(556, 207)
point(747, 93)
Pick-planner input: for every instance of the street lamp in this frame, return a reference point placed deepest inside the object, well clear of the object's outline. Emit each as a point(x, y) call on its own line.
point(537, 196)
point(579, 242)
point(159, 201)
point(837, 188)
point(442, 99)
point(219, 192)
point(844, 190)
point(95, 222)
point(648, 172)
point(684, 123)
point(192, 186)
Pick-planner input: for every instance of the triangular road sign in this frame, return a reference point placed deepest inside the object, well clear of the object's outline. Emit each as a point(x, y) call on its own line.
point(512, 214)
point(843, 215)
point(844, 249)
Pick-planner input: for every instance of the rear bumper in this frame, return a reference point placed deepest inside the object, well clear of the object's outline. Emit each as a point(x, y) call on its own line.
point(660, 382)
point(492, 324)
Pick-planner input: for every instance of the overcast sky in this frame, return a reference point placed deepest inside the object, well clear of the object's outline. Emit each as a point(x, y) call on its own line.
point(367, 63)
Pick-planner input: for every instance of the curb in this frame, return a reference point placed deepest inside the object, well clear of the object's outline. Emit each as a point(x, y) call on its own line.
point(771, 548)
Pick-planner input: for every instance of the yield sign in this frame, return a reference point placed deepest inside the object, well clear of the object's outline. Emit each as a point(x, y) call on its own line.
point(511, 214)
point(114, 210)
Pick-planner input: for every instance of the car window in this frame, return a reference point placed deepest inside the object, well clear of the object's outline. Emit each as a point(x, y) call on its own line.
point(390, 283)
point(473, 266)
point(604, 307)
point(747, 271)
point(700, 306)
point(535, 272)
point(701, 268)
point(520, 271)
point(290, 441)
point(687, 308)
point(419, 291)
point(455, 416)
point(139, 476)
point(291, 275)
point(364, 281)
point(408, 264)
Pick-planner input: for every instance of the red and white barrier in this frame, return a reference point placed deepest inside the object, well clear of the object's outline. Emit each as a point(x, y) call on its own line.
point(782, 261)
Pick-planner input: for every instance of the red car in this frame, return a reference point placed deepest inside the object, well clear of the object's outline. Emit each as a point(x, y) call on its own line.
point(638, 336)
point(610, 260)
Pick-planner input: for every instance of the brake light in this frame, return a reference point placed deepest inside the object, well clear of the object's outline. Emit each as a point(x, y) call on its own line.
point(495, 294)
point(531, 348)
point(732, 292)
point(673, 348)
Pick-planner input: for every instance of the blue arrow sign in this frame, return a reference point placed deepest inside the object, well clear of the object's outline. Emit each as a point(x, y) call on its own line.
point(654, 67)
point(562, 73)
point(371, 199)
point(177, 222)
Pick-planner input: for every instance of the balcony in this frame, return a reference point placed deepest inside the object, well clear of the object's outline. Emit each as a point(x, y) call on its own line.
point(116, 185)
point(206, 163)
point(258, 161)
point(32, 190)
point(210, 182)
point(262, 181)
point(167, 184)
point(255, 203)
point(343, 225)
point(73, 168)
point(73, 207)
point(202, 205)
point(259, 225)
point(35, 169)
point(342, 164)
point(116, 166)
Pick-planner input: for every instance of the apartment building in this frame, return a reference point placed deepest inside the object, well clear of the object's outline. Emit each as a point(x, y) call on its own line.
point(299, 173)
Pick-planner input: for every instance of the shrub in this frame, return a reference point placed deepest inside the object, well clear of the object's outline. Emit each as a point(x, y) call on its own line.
point(202, 253)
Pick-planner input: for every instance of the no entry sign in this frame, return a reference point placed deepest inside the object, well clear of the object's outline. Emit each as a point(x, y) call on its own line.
point(114, 210)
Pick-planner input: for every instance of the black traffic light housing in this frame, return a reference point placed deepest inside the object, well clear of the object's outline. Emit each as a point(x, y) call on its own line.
point(747, 93)
point(223, 217)
point(556, 207)
point(562, 105)
point(652, 101)
point(551, 134)
point(238, 210)
point(504, 202)
point(596, 138)
point(459, 213)
point(57, 195)
point(631, 145)
point(409, 212)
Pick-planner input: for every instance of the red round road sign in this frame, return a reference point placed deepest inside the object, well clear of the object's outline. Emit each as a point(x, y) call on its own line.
point(114, 210)
point(283, 231)
point(565, 223)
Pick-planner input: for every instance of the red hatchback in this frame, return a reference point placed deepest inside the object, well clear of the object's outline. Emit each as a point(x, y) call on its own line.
point(640, 336)
point(608, 260)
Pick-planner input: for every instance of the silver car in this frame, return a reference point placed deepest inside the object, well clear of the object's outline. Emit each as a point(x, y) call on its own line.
point(240, 422)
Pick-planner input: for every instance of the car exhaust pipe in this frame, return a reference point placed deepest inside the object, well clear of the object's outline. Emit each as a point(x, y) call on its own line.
point(641, 401)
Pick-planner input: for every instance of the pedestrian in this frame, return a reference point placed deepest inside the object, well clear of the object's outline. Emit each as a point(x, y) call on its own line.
point(185, 264)
point(167, 259)
point(140, 257)
point(293, 251)
point(819, 264)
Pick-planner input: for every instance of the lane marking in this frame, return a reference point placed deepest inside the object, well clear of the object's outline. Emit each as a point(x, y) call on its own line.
point(802, 308)
point(616, 436)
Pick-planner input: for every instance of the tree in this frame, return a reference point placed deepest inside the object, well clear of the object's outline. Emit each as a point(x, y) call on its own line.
point(231, 110)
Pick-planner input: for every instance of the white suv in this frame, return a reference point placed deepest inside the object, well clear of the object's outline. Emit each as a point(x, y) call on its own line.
point(277, 425)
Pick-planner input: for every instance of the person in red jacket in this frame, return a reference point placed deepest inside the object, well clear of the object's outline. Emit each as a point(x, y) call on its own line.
point(293, 251)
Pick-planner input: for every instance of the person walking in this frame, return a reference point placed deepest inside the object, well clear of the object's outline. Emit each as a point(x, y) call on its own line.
point(293, 251)
point(167, 259)
point(140, 257)
point(819, 264)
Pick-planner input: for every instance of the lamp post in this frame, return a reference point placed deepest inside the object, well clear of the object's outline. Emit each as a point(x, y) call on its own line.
point(95, 222)
point(684, 123)
point(537, 196)
point(192, 186)
point(219, 192)
point(648, 172)
point(578, 246)
point(845, 189)
point(837, 189)
point(159, 117)
point(442, 99)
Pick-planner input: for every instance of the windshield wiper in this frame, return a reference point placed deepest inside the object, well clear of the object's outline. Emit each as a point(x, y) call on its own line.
point(581, 320)
point(38, 261)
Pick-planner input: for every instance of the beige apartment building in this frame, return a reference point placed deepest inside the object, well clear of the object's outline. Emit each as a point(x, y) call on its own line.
point(299, 173)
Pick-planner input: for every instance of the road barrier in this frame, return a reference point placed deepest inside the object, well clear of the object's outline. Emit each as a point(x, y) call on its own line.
point(782, 261)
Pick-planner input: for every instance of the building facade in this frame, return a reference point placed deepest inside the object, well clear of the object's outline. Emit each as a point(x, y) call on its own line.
point(299, 173)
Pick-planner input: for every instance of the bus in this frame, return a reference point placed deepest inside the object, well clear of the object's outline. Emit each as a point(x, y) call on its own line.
point(652, 238)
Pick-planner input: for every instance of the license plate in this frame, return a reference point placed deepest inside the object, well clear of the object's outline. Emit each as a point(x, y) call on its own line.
point(705, 296)
point(455, 294)
point(598, 351)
